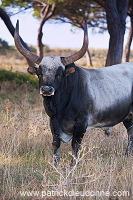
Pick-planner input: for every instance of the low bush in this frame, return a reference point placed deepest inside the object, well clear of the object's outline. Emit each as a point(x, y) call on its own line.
point(18, 77)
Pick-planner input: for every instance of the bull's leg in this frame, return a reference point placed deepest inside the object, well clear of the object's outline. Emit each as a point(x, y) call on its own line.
point(56, 146)
point(128, 123)
point(56, 140)
point(107, 130)
point(77, 139)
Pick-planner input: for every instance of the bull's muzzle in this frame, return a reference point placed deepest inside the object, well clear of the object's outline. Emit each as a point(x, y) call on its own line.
point(47, 90)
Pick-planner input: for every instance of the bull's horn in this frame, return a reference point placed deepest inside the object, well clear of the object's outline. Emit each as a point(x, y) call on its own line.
point(28, 54)
point(70, 59)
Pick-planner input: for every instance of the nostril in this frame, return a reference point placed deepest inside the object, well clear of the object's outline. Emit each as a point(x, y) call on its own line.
point(43, 89)
point(51, 89)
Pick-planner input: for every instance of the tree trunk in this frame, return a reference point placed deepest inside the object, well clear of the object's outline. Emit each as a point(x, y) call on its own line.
point(46, 13)
point(129, 40)
point(11, 29)
point(88, 58)
point(116, 12)
point(39, 40)
point(115, 51)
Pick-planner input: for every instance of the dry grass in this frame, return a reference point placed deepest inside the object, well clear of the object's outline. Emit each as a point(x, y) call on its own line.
point(16, 62)
point(26, 157)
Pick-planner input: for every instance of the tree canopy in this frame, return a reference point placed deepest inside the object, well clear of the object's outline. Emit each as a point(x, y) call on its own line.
point(101, 14)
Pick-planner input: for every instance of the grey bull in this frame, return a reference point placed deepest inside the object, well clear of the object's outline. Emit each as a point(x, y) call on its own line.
point(76, 98)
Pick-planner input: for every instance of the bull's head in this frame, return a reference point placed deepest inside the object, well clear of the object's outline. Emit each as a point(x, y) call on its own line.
point(51, 69)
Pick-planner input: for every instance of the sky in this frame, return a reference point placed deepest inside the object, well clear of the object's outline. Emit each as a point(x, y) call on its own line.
point(54, 35)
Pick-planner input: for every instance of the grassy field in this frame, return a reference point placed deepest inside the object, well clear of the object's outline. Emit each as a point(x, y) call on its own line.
point(26, 156)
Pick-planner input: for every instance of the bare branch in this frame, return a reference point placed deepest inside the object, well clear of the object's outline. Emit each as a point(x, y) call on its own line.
point(40, 2)
point(11, 29)
point(51, 11)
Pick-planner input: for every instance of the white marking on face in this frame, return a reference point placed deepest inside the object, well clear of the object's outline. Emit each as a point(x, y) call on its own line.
point(51, 63)
point(49, 66)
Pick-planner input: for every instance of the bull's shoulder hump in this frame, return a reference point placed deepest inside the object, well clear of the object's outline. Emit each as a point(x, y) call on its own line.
point(117, 68)
point(122, 65)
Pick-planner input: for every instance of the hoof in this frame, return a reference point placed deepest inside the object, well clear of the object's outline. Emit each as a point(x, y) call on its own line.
point(56, 164)
point(107, 130)
point(107, 133)
point(56, 161)
point(74, 162)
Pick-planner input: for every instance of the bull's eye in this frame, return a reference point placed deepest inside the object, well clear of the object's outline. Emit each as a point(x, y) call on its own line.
point(59, 73)
point(39, 73)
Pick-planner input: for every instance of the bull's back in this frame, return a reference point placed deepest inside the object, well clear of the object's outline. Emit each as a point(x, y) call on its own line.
point(111, 91)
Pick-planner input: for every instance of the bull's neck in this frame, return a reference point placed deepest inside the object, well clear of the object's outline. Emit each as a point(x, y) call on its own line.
point(67, 94)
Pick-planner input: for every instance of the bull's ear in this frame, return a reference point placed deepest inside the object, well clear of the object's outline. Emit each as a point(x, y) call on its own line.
point(32, 70)
point(70, 70)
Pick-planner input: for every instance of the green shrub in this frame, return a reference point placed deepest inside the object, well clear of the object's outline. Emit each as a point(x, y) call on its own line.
point(18, 77)
point(4, 44)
